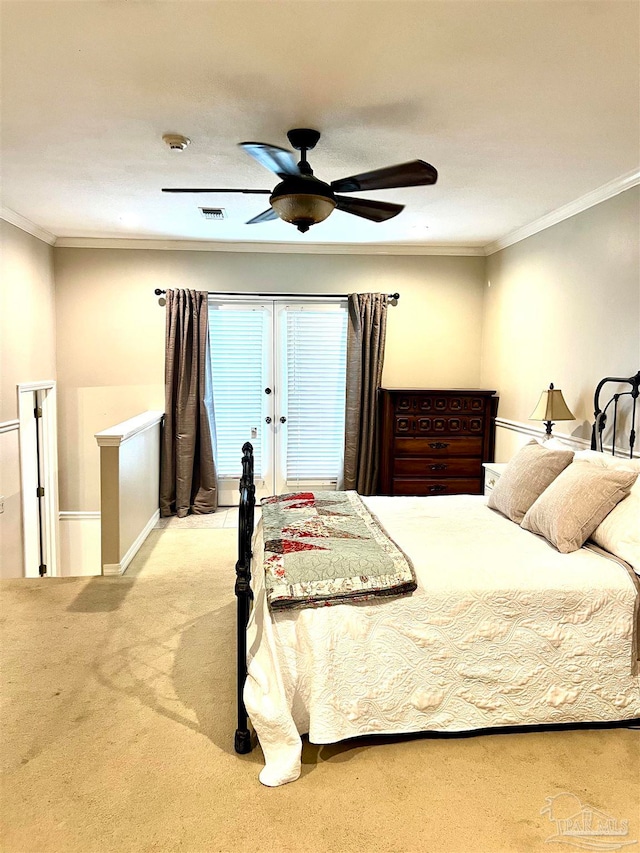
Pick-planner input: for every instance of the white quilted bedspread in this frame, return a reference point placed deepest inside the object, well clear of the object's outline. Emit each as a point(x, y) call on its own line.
point(502, 630)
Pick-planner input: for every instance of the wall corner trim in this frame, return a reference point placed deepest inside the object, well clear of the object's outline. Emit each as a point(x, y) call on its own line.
point(116, 435)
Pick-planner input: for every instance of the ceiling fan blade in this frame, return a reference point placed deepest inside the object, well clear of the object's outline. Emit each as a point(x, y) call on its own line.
point(210, 190)
point(376, 211)
point(278, 160)
point(266, 216)
point(414, 174)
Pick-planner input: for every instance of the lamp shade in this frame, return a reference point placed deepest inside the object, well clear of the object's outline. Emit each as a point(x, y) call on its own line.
point(552, 407)
point(303, 200)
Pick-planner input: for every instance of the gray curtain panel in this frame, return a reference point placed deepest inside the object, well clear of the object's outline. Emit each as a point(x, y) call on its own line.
point(187, 470)
point(365, 357)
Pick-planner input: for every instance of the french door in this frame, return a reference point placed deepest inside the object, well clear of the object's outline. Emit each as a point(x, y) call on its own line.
point(278, 369)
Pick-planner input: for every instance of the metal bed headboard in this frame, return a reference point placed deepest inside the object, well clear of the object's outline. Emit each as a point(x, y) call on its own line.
point(600, 414)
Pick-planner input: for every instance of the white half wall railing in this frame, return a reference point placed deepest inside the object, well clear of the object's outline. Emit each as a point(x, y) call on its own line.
point(129, 488)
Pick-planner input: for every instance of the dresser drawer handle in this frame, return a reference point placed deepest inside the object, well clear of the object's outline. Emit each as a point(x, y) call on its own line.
point(438, 445)
point(438, 488)
point(440, 466)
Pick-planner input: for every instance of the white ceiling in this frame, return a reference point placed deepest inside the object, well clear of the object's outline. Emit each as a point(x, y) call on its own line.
point(522, 106)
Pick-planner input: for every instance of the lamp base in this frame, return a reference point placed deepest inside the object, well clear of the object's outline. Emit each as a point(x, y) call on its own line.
point(548, 425)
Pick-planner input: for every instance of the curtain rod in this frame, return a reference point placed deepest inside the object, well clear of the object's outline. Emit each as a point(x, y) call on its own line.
point(395, 296)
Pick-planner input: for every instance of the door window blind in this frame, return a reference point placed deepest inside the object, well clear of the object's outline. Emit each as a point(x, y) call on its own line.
point(238, 350)
point(315, 351)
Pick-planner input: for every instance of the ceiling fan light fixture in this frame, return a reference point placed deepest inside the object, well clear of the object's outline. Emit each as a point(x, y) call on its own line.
point(303, 211)
point(303, 200)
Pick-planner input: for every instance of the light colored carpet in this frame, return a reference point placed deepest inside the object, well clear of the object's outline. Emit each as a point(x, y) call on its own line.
point(117, 735)
point(226, 517)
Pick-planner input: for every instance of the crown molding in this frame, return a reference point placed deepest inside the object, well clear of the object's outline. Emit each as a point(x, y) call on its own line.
point(27, 225)
point(268, 248)
point(607, 191)
point(613, 188)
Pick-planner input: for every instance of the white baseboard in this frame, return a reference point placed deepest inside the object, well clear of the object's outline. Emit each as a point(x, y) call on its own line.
point(111, 569)
point(80, 544)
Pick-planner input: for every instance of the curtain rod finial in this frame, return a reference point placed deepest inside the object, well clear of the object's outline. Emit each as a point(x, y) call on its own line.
point(159, 292)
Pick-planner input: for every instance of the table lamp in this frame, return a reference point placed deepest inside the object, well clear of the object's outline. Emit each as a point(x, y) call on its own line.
point(551, 407)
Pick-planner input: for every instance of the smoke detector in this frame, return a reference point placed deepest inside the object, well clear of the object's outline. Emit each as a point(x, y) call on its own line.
point(212, 212)
point(176, 141)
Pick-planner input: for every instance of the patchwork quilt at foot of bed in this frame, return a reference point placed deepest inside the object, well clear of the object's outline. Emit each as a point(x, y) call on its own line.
point(555, 647)
point(326, 548)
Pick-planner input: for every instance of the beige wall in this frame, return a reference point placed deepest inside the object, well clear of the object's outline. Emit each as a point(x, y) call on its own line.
point(11, 553)
point(111, 329)
point(27, 314)
point(563, 306)
point(27, 354)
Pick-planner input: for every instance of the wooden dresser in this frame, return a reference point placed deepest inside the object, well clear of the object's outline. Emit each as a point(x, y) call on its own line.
point(433, 442)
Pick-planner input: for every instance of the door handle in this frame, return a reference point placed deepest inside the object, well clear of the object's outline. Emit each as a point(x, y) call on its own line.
point(283, 420)
point(267, 420)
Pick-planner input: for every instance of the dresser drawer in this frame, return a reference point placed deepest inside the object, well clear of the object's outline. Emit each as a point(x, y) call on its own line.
point(456, 446)
point(450, 486)
point(432, 466)
point(435, 403)
point(438, 425)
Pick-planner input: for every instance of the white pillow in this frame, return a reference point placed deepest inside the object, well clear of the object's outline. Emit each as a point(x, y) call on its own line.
point(607, 460)
point(554, 443)
point(619, 532)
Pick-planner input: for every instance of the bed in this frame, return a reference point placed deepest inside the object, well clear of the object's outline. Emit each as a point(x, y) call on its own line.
point(502, 630)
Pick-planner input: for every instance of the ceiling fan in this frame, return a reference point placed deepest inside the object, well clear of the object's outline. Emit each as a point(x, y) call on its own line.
point(304, 200)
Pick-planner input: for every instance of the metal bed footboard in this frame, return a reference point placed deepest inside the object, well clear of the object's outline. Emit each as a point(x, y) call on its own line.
point(243, 742)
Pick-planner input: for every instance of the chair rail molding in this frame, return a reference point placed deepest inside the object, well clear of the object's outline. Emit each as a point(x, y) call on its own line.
point(539, 432)
point(80, 543)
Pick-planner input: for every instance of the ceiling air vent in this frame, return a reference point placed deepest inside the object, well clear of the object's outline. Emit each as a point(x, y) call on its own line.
point(213, 212)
